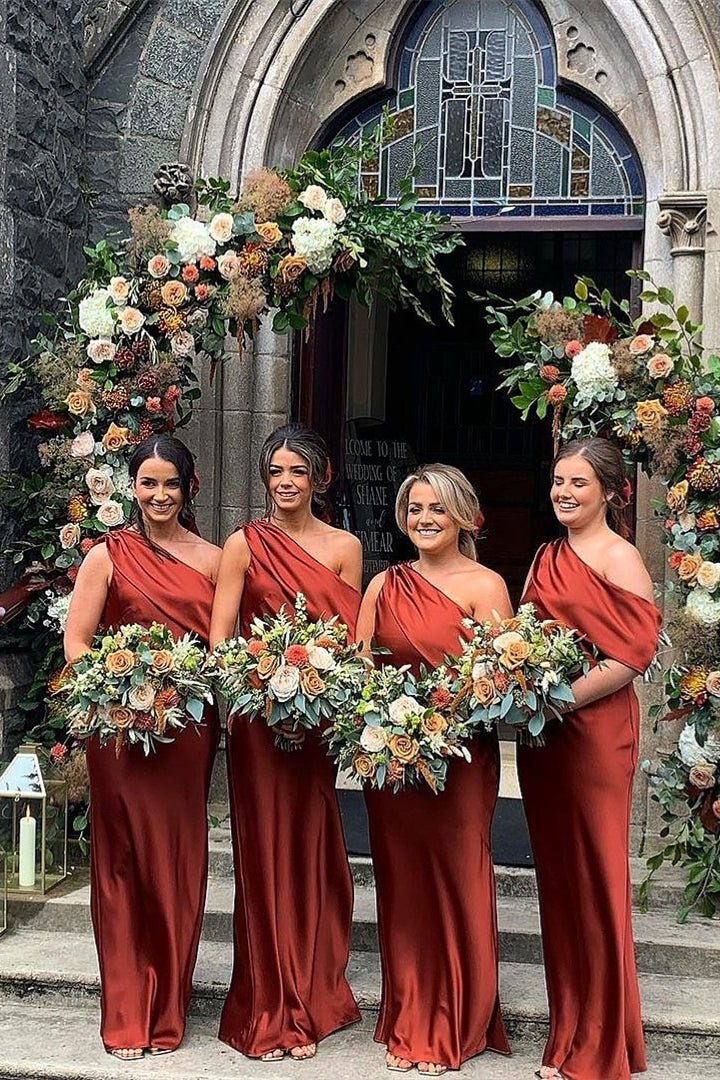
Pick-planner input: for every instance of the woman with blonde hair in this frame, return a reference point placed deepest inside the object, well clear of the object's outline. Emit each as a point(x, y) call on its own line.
point(433, 866)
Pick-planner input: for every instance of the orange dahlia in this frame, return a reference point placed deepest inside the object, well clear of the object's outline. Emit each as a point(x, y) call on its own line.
point(296, 655)
point(679, 397)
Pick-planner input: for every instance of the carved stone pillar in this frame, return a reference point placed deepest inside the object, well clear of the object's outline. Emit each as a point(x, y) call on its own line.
point(683, 217)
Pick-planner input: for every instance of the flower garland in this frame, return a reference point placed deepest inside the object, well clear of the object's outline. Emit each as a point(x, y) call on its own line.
point(645, 384)
point(121, 364)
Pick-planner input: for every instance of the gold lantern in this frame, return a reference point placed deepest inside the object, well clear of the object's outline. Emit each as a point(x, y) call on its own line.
point(33, 824)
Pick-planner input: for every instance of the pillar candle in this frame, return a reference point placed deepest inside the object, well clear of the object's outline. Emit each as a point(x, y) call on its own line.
point(27, 850)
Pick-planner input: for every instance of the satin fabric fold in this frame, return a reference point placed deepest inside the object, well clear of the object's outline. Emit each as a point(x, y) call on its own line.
point(148, 824)
point(293, 887)
point(434, 875)
point(577, 791)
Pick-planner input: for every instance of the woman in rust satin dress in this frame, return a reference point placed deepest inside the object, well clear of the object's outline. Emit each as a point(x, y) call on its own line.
point(293, 888)
point(577, 789)
point(148, 821)
point(434, 875)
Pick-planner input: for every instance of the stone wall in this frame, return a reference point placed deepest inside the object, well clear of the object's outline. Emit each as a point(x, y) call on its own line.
point(42, 210)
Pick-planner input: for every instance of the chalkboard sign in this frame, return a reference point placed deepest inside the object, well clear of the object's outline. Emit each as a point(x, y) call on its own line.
point(375, 467)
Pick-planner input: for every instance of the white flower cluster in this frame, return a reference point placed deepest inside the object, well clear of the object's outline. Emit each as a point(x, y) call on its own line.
point(94, 316)
point(56, 612)
point(314, 239)
point(192, 238)
point(692, 753)
point(594, 376)
point(703, 607)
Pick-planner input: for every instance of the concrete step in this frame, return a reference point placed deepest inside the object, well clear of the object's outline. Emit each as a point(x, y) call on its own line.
point(59, 971)
point(662, 946)
point(64, 1045)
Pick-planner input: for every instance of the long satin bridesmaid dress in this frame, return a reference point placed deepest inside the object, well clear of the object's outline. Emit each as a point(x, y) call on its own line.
point(577, 791)
point(434, 876)
point(293, 887)
point(148, 823)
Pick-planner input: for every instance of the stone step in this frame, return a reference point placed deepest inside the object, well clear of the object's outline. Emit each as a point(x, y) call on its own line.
point(64, 1045)
point(662, 946)
point(59, 971)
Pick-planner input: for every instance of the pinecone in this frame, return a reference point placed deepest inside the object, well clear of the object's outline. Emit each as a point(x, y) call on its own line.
point(77, 508)
point(141, 349)
point(125, 359)
point(147, 382)
point(704, 475)
point(252, 259)
point(691, 445)
point(283, 289)
point(699, 421)
point(115, 399)
point(170, 321)
point(678, 397)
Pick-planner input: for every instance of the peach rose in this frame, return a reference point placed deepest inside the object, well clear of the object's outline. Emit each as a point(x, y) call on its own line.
point(229, 265)
point(83, 445)
point(174, 293)
point(556, 394)
point(310, 683)
point(119, 289)
point(404, 748)
point(434, 724)
point(650, 413)
point(291, 267)
point(162, 661)
point(313, 197)
point(641, 344)
point(183, 343)
point(131, 320)
point(363, 766)
point(115, 438)
point(120, 717)
point(110, 513)
point(221, 228)
point(84, 380)
point(101, 350)
point(69, 535)
point(702, 777)
point(676, 497)
point(484, 690)
point(688, 568)
point(100, 484)
point(120, 662)
point(708, 575)
point(267, 666)
point(515, 655)
point(659, 366)
point(80, 403)
point(712, 683)
point(269, 232)
point(159, 266)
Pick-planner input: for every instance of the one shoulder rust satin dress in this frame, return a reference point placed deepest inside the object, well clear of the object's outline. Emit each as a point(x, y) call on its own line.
point(437, 917)
point(293, 888)
point(577, 791)
point(148, 823)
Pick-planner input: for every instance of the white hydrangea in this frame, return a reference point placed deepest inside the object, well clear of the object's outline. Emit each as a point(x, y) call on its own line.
point(703, 607)
point(314, 239)
point(593, 373)
point(56, 612)
point(692, 753)
point(192, 239)
point(122, 481)
point(94, 315)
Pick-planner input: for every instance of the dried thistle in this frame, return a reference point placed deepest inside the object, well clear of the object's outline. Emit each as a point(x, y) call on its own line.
point(665, 448)
point(623, 361)
point(699, 642)
point(557, 326)
point(265, 193)
point(148, 230)
point(245, 299)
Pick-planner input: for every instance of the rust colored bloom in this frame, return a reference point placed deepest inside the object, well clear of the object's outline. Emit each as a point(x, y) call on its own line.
point(174, 293)
point(252, 259)
point(291, 267)
point(556, 394)
point(255, 647)
point(484, 689)
point(120, 662)
point(267, 666)
point(77, 508)
point(58, 753)
point(167, 699)
point(693, 683)
point(708, 519)
point(120, 717)
point(688, 568)
point(144, 721)
point(310, 682)
point(573, 348)
point(679, 397)
point(404, 748)
point(650, 413)
point(297, 655)
point(190, 273)
point(434, 724)
point(46, 420)
point(170, 321)
point(716, 808)
point(71, 573)
point(550, 373)
point(207, 262)
point(440, 697)
point(162, 661)
point(675, 559)
point(699, 422)
point(705, 404)
point(396, 772)
point(501, 681)
point(115, 438)
point(704, 475)
point(363, 766)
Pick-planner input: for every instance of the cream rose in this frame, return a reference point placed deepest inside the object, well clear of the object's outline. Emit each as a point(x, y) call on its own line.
point(334, 211)
point(502, 641)
point(229, 265)
point(101, 351)
point(131, 320)
point(702, 776)
point(641, 344)
point(708, 575)
point(83, 445)
point(321, 658)
point(285, 682)
point(712, 683)
point(401, 707)
point(110, 513)
point(142, 697)
point(659, 366)
point(314, 197)
point(183, 344)
point(158, 266)
point(221, 228)
point(69, 535)
point(100, 484)
point(372, 739)
point(119, 289)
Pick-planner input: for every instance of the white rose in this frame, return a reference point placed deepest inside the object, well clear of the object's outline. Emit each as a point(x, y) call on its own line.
point(334, 211)
point(158, 266)
point(400, 708)
point(197, 318)
point(131, 320)
point(692, 753)
point(686, 521)
point(69, 535)
point(110, 513)
point(501, 642)
point(221, 228)
point(141, 697)
point(229, 265)
point(101, 351)
point(372, 739)
point(314, 197)
point(119, 288)
point(321, 658)
point(183, 344)
point(285, 682)
point(94, 316)
point(83, 445)
point(192, 239)
point(708, 575)
point(100, 484)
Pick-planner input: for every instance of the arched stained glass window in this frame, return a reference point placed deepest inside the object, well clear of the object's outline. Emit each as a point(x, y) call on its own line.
point(479, 107)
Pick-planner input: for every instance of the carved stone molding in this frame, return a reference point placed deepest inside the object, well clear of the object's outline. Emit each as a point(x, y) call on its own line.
point(683, 217)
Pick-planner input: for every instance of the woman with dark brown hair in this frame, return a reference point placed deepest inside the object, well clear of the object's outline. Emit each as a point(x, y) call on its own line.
point(577, 788)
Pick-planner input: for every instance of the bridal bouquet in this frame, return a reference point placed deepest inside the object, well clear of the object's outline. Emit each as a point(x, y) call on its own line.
point(401, 730)
point(292, 670)
point(137, 686)
point(518, 670)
